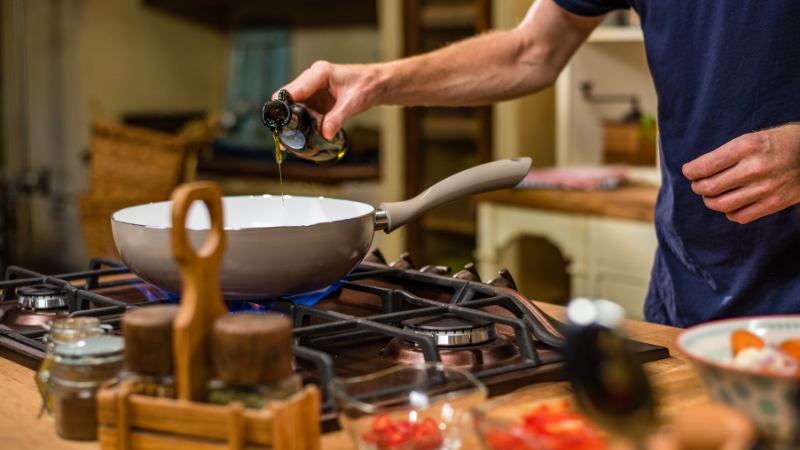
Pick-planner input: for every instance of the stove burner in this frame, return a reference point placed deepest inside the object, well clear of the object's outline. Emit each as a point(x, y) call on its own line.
point(41, 296)
point(450, 330)
point(494, 353)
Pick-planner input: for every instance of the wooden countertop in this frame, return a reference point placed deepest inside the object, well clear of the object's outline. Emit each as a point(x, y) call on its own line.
point(675, 383)
point(626, 202)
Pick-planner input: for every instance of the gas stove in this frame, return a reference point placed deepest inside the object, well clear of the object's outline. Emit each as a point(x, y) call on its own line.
point(380, 316)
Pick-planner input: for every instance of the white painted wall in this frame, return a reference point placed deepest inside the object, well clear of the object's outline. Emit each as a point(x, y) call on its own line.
point(143, 59)
point(390, 24)
point(525, 126)
point(339, 45)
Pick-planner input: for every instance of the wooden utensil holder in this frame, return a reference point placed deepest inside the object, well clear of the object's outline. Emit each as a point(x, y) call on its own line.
point(135, 422)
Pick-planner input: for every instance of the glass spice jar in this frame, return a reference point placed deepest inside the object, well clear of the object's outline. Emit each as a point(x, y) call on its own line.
point(80, 369)
point(59, 332)
point(161, 387)
point(253, 396)
point(252, 358)
point(148, 350)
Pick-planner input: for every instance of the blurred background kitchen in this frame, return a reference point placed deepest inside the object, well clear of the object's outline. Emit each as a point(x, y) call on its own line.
point(109, 104)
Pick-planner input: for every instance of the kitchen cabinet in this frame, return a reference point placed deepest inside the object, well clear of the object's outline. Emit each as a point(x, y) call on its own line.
point(608, 251)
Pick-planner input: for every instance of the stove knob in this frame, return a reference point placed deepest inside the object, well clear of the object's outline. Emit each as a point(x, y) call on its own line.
point(376, 257)
point(504, 280)
point(405, 262)
point(470, 273)
point(436, 270)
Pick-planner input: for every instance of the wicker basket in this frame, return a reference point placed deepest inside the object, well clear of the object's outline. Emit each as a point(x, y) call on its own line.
point(133, 162)
point(96, 221)
point(133, 166)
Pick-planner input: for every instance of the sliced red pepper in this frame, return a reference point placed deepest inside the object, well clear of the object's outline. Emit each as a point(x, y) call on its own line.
point(501, 440)
point(371, 437)
point(394, 438)
point(396, 435)
point(428, 426)
point(557, 427)
point(381, 423)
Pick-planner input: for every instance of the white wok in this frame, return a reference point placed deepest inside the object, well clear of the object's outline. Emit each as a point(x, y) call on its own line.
point(308, 244)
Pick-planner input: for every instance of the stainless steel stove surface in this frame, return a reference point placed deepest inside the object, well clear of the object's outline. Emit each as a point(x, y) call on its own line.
point(380, 316)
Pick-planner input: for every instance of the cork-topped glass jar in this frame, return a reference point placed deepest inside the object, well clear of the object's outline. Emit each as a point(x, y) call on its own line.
point(80, 369)
point(148, 352)
point(59, 332)
point(252, 357)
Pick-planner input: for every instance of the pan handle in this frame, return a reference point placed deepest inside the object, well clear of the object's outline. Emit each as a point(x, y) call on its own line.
point(492, 176)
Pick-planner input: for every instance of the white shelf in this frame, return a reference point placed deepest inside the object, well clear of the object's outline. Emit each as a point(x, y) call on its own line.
point(616, 34)
point(612, 68)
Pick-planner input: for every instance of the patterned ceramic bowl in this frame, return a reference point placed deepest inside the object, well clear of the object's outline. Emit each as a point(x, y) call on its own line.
point(769, 400)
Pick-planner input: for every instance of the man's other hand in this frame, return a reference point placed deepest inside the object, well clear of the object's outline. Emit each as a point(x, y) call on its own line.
point(335, 90)
point(752, 176)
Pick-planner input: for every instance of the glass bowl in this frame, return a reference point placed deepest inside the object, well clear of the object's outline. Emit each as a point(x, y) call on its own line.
point(499, 426)
point(414, 407)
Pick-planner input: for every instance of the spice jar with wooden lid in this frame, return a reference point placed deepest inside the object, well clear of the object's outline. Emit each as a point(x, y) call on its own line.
point(148, 350)
point(61, 331)
point(252, 358)
point(80, 368)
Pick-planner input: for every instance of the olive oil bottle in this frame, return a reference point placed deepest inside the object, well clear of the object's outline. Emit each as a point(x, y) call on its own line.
point(295, 127)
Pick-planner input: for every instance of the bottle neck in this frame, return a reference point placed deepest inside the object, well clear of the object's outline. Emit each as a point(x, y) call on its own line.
point(276, 115)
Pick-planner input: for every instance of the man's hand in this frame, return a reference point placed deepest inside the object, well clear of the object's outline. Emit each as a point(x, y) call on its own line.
point(752, 176)
point(335, 90)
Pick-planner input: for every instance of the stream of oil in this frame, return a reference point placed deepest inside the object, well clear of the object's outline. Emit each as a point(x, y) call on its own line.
point(279, 158)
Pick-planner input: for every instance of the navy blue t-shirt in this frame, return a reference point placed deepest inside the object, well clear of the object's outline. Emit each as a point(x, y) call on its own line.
point(722, 69)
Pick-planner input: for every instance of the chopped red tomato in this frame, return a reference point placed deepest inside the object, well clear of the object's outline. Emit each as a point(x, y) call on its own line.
point(381, 423)
point(497, 440)
point(555, 426)
point(402, 434)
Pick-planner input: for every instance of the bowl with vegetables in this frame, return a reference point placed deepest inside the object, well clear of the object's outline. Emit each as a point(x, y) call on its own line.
point(414, 407)
point(752, 364)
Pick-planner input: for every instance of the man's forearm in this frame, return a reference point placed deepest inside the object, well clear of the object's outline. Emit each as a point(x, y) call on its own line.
point(477, 71)
point(487, 68)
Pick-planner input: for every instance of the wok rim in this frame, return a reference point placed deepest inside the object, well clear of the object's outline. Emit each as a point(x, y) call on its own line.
point(155, 227)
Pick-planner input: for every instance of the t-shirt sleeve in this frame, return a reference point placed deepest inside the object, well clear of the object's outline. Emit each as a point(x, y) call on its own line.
point(592, 8)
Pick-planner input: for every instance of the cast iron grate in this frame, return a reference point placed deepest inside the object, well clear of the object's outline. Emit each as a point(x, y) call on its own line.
point(396, 305)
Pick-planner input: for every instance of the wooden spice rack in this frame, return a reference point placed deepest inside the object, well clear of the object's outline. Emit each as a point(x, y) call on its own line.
point(135, 422)
point(129, 421)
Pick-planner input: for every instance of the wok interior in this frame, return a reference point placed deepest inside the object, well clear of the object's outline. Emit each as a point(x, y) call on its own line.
point(250, 212)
